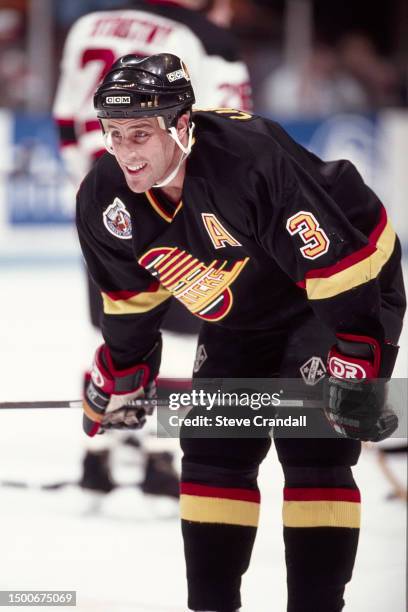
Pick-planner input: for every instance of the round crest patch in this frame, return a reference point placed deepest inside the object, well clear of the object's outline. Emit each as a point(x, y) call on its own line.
point(117, 221)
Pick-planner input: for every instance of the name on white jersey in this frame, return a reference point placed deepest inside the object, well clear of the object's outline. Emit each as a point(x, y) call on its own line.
point(144, 30)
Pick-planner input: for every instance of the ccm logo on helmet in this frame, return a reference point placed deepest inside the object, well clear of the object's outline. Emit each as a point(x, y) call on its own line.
point(176, 75)
point(117, 100)
point(345, 369)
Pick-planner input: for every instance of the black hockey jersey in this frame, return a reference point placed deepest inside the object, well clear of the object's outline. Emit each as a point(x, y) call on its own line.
point(265, 231)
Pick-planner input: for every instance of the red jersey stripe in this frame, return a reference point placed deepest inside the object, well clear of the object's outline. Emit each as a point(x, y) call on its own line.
point(127, 295)
point(91, 126)
point(98, 153)
point(65, 122)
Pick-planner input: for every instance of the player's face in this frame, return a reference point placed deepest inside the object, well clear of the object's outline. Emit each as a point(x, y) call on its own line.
point(144, 151)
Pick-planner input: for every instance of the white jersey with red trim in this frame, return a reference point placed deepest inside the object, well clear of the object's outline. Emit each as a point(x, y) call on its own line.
point(98, 39)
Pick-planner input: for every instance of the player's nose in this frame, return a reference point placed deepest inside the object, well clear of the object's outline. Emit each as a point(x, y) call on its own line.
point(129, 156)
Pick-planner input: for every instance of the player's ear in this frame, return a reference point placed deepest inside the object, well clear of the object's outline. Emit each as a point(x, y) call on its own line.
point(183, 123)
point(107, 137)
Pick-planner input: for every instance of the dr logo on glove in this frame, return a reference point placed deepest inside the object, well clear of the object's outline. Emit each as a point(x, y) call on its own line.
point(359, 369)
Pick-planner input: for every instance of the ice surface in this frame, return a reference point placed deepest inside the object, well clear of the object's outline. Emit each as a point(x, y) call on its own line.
point(123, 552)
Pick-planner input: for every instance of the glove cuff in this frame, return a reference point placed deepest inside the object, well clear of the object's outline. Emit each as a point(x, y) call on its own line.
point(94, 406)
point(355, 357)
point(100, 374)
point(361, 357)
point(110, 380)
point(127, 380)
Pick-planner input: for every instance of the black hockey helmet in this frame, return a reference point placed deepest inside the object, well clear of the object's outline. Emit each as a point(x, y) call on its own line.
point(155, 86)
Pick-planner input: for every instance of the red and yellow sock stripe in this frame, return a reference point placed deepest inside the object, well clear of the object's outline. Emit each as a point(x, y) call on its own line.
point(206, 504)
point(321, 507)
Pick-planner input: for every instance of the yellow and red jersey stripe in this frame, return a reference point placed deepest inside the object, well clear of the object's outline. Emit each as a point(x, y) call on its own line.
point(134, 302)
point(355, 269)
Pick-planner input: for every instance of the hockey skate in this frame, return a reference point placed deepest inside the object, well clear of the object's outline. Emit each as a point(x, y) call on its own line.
point(160, 475)
point(96, 474)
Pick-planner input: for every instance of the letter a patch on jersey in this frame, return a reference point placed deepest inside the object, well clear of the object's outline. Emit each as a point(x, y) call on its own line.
point(117, 221)
point(220, 237)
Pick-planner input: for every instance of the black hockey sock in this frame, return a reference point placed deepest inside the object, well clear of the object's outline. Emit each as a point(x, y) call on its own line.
point(219, 527)
point(321, 518)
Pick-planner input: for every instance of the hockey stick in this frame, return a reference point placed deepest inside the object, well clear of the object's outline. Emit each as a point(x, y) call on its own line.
point(55, 486)
point(23, 484)
point(164, 384)
point(138, 403)
point(41, 404)
point(168, 384)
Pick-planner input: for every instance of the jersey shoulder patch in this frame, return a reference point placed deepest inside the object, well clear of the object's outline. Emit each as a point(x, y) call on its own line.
point(117, 220)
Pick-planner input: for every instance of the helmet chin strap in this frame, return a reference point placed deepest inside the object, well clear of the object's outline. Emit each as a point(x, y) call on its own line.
point(185, 152)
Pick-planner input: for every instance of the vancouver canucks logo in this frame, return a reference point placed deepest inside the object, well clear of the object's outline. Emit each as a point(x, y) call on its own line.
point(117, 220)
point(203, 289)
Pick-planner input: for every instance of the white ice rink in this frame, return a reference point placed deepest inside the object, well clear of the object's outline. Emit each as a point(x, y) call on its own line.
point(120, 557)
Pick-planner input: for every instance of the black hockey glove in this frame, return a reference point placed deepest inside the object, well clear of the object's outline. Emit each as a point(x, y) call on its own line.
point(356, 389)
point(108, 392)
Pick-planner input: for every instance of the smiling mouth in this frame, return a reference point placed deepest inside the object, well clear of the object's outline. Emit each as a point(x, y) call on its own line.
point(135, 169)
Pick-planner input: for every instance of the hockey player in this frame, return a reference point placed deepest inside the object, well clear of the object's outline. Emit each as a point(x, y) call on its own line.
point(197, 29)
point(285, 258)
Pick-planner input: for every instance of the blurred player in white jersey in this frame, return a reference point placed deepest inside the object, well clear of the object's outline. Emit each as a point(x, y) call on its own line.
point(194, 29)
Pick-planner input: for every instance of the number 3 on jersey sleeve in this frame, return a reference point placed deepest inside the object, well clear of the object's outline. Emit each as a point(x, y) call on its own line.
point(316, 242)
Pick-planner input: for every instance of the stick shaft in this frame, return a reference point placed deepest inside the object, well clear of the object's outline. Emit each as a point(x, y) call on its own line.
point(39, 405)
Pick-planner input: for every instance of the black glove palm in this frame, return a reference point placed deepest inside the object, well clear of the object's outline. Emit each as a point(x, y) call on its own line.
point(357, 409)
